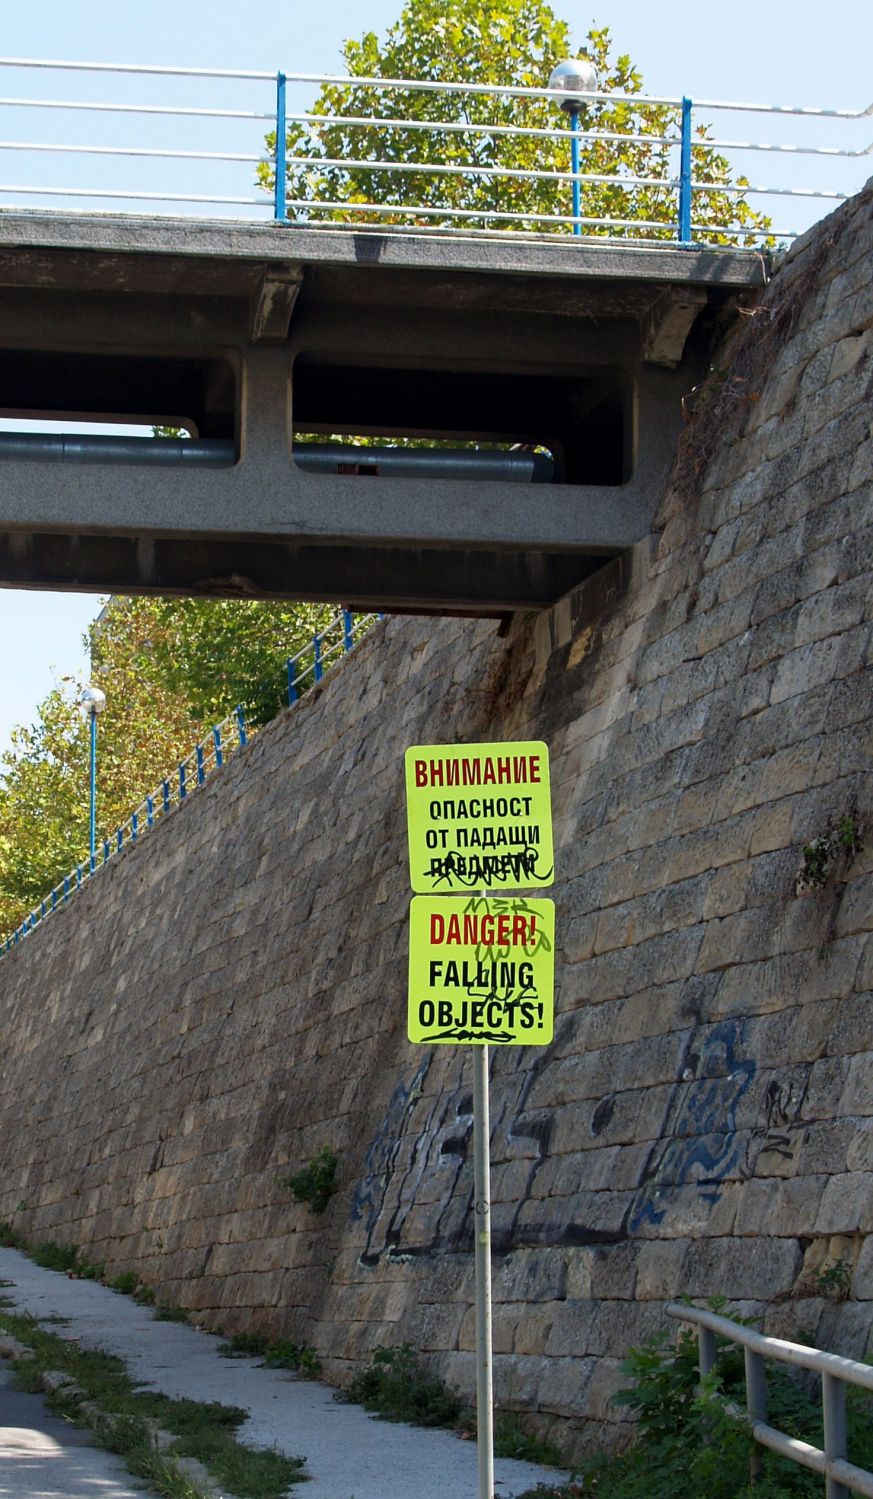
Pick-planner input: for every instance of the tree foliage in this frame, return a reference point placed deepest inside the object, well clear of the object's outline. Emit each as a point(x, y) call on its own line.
point(514, 44)
point(170, 669)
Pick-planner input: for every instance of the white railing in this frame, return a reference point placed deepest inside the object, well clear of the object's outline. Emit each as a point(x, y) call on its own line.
point(223, 162)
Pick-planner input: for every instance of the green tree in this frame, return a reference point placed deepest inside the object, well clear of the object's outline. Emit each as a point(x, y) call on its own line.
point(44, 777)
point(209, 654)
point(170, 668)
point(511, 43)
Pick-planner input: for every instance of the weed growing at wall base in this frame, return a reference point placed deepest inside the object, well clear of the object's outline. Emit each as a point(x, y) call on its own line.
point(397, 1387)
point(278, 1354)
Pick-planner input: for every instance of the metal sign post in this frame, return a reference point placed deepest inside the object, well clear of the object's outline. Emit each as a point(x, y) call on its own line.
point(480, 971)
point(482, 1219)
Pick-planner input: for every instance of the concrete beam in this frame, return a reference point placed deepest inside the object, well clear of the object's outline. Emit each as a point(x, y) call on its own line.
point(563, 256)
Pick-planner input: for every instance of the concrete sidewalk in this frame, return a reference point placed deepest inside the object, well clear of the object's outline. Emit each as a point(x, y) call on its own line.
point(44, 1457)
point(348, 1454)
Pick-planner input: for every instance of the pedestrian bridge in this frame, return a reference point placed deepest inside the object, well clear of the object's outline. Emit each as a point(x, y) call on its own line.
point(540, 372)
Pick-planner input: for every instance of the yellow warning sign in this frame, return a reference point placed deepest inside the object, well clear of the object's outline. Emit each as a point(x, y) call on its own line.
point(480, 817)
point(481, 971)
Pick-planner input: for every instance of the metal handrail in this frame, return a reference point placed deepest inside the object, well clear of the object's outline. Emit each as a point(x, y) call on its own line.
point(426, 85)
point(836, 1372)
point(680, 184)
point(338, 637)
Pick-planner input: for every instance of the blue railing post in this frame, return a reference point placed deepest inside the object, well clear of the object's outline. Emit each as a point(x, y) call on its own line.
point(54, 900)
point(119, 839)
point(292, 682)
point(317, 663)
point(216, 740)
point(574, 168)
point(78, 876)
point(241, 726)
point(280, 211)
point(183, 789)
point(150, 812)
point(201, 768)
point(134, 826)
point(166, 790)
point(348, 630)
point(66, 887)
point(105, 850)
point(92, 822)
point(685, 175)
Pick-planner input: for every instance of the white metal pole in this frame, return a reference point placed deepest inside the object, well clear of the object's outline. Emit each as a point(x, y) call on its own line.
point(482, 1224)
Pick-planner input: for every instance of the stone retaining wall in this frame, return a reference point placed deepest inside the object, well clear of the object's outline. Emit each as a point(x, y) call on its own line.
point(229, 996)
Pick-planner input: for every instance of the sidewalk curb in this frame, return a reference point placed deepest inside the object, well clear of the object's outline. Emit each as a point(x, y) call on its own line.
point(105, 1425)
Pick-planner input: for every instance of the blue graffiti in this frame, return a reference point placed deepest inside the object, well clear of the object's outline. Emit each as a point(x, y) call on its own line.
point(702, 1147)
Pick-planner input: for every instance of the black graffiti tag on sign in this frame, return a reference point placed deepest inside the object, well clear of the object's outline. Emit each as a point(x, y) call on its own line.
point(479, 817)
point(483, 973)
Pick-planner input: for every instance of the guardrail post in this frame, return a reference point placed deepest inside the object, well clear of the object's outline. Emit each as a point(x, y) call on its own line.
point(54, 900)
point(706, 1350)
point(183, 788)
point(134, 826)
point(756, 1404)
point(833, 1394)
point(166, 788)
point(216, 740)
point(150, 812)
point(105, 850)
point(280, 211)
point(317, 664)
point(66, 887)
point(348, 630)
point(574, 168)
point(293, 694)
point(119, 839)
point(201, 768)
point(78, 876)
point(685, 175)
point(241, 727)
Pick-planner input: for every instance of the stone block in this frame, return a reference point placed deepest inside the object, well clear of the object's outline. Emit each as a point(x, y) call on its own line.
point(660, 1269)
point(531, 1275)
point(846, 1206)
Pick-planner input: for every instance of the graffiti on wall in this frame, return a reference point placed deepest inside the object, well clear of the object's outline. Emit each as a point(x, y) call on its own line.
point(415, 1193)
point(699, 1144)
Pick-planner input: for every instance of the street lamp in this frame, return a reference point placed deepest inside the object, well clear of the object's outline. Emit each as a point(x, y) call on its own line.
point(91, 703)
point(574, 78)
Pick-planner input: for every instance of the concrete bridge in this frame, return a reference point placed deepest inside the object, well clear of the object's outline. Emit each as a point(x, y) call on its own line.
point(246, 334)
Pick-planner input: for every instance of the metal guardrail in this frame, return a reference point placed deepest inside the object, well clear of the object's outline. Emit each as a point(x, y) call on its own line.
point(841, 1477)
point(681, 188)
point(305, 668)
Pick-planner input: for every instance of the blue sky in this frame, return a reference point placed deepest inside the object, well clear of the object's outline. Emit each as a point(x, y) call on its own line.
point(777, 53)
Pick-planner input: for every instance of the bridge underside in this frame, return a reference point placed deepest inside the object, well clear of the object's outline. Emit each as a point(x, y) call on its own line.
point(257, 339)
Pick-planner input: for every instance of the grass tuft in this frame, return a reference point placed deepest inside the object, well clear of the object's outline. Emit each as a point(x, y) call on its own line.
point(281, 1354)
point(50, 1256)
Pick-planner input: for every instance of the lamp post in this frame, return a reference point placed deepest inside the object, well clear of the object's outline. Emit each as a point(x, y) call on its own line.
point(91, 703)
point(574, 78)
